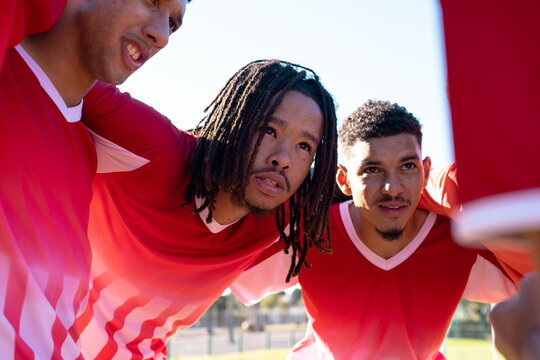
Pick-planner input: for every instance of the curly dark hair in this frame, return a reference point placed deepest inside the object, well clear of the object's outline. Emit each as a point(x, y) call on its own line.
point(377, 119)
point(222, 160)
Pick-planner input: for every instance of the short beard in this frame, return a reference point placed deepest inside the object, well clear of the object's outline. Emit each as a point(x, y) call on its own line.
point(391, 234)
point(253, 209)
point(258, 211)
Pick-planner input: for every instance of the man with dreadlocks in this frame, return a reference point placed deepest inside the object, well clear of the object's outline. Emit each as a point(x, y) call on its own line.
point(170, 236)
point(395, 277)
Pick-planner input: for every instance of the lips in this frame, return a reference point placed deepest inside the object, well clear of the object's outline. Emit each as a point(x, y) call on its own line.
point(135, 54)
point(393, 209)
point(271, 183)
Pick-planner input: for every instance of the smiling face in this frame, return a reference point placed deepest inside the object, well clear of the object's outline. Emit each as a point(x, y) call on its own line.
point(286, 151)
point(119, 36)
point(385, 177)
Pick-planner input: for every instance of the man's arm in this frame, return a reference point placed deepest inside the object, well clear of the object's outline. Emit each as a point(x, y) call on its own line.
point(127, 133)
point(441, 196)
point(517, 322)
point(441, 192)
point(264, 278)
point(488, 281)
point(19, 18)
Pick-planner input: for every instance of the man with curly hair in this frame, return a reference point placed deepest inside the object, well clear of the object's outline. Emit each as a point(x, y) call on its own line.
point(395, 276)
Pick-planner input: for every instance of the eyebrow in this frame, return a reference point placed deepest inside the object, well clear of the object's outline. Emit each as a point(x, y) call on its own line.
point(409, 158)
point(403, 159)
point(307, 134)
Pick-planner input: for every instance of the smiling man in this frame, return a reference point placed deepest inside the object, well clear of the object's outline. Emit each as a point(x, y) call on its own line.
point(48, 157)
point(395, 276)
point(171, 236)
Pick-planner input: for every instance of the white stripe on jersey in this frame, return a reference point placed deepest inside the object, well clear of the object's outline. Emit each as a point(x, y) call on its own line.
point(64, 306)
point(140, 311)
point(4, 271)
point(37, 318)
point(7, 334)
point(7, 337)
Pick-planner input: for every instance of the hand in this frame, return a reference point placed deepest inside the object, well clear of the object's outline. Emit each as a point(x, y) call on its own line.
point(517, 322)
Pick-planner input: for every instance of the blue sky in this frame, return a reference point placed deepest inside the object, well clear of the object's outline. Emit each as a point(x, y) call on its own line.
point(362, 49)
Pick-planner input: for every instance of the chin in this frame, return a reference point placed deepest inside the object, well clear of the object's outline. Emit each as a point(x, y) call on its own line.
point(261, 209)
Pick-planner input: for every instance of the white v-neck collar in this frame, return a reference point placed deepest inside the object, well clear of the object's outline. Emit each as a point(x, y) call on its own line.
point(213, 225)
point(378, 261)
point(71, 114)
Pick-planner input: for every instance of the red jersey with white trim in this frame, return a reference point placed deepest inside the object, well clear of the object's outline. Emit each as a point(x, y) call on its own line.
point(441, 195)
point(48, 162)
point(157, 266)
point(19, 18)
point(362, 306)
point(492, 54)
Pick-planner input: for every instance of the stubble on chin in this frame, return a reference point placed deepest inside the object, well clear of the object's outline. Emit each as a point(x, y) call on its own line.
point(390, 234)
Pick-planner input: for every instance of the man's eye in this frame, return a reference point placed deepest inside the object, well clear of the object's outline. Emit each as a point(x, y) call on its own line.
point(371, 170)
point(172, 26)
point(270, 131)
point(304, 146)
point(408, 166)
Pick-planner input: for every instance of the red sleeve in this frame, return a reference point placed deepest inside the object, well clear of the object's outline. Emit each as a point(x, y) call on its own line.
point(441, 196)
point(125, 121)
point(441, 192)
point(22, 17)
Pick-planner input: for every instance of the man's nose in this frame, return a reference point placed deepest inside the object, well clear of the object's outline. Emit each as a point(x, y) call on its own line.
point(392, 185)
point(158, 30)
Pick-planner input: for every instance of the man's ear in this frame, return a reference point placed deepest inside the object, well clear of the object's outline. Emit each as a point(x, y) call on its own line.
point(342, 180)
point(427, 168)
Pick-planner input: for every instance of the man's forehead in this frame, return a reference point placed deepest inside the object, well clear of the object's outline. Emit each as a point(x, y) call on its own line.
point(385, 148)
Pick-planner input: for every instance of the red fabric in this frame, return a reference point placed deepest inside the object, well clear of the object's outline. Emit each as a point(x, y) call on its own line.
point(47, 168)
point(22, 17)
point(441, 196)
point(492, 54)
point(361, 311)
point(157, 267)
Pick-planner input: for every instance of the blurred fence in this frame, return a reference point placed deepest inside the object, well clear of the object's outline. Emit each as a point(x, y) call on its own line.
point(235, 329)
point(197, 342)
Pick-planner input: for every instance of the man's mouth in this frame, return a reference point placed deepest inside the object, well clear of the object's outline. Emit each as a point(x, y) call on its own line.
point(271, 182)
point(134, 53)
point(393, 209)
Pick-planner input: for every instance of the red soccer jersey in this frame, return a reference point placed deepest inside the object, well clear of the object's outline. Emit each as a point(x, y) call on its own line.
point(362, 306)
point(157, 267)
point(441, 196)
point(48, 162)
point(19, 18)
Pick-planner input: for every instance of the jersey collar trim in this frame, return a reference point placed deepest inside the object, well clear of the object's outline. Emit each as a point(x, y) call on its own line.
point(213, 225)
point(71, 114)
point(380, 262)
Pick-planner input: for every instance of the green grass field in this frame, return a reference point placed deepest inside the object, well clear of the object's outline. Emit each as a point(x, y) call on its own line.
point(456, 349)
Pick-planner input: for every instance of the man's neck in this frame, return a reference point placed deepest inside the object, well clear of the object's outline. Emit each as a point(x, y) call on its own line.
point(56, 53)
point(226, 212)
point(383, 247)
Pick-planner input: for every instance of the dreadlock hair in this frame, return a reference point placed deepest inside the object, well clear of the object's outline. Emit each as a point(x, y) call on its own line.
point(238, 116)
point(377, 119)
